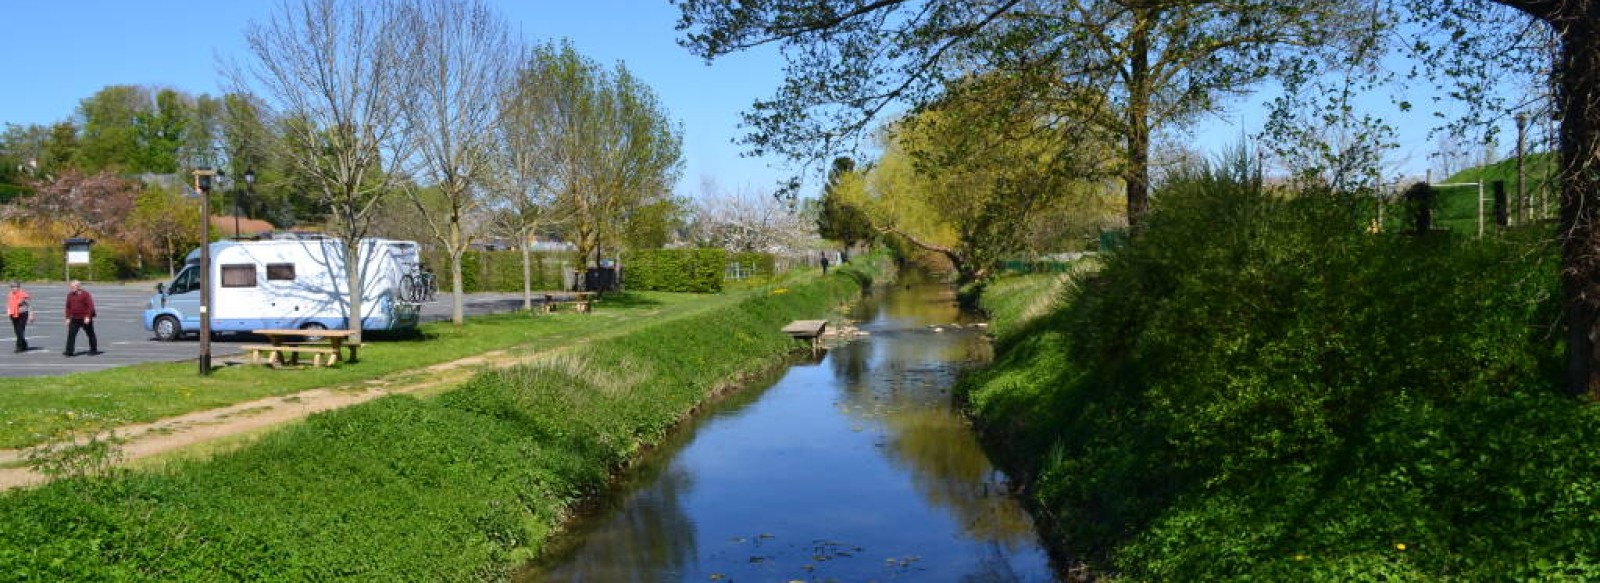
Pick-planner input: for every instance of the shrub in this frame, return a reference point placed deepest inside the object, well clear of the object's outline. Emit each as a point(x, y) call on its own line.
point(1258, 388)
point(676, 270)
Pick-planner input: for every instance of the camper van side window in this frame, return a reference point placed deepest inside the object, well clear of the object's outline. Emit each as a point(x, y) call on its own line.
point(241, 275)
point(280, 272)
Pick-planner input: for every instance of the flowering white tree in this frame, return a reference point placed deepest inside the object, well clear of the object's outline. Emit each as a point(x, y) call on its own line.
point(751, 221)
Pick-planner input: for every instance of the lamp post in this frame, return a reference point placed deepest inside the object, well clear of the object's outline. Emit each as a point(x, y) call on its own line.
point(250, 186)
point(202, 185)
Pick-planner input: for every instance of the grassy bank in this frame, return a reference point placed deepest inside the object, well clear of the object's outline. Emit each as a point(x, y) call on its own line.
point(453, 487)
point(1259, 389)
point(35, 409)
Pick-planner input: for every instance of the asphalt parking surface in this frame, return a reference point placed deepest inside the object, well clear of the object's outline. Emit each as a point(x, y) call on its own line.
point(124, 341)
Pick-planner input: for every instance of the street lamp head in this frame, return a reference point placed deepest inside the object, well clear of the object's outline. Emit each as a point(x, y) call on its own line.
point(250, 177)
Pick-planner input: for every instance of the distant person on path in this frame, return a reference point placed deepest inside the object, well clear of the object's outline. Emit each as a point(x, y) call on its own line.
point(824, 263)
point(19, 306)
point(80, 314)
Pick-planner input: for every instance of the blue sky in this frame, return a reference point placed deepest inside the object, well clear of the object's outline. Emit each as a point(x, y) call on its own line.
point(64, 51)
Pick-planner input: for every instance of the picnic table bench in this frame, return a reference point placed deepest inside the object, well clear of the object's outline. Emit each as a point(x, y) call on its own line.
point(324, 346)
point(581, 302)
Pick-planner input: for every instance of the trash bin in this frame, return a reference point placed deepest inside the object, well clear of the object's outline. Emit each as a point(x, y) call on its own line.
point(600, 279)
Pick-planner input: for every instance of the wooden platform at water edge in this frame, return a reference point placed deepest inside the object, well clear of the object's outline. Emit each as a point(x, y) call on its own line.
point(807, 330)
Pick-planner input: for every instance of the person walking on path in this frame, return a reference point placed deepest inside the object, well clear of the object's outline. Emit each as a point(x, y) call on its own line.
point(824, 263)
point(80, 315)
point(19, 306)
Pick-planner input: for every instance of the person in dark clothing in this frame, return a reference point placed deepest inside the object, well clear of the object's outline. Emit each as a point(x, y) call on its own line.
point(824, 263)
point(80, 315)
point(19, 306)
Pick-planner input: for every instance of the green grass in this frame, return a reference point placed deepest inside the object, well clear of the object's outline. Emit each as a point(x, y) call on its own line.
point(1259, 389)
point(458, 486)
point(37, 409)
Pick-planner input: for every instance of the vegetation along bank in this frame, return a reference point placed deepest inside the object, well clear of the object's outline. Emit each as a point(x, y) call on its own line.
point(1262, 388)
point(461, 485)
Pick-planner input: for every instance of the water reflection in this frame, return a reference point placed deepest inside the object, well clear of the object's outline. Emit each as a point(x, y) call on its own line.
point(852, 469)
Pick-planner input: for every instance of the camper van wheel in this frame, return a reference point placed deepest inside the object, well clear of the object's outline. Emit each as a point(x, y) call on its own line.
point(313, 327)
point(167, 329)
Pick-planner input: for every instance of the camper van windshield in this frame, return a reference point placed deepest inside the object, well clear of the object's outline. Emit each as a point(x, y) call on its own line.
point(185, 282)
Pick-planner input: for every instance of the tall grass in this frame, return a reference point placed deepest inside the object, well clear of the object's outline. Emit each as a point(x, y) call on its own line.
point(452, 488)
point(1260, 389)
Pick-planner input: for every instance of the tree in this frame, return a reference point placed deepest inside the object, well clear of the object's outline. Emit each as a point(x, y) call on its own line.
point(1576, 27)
point(75, 204)
point(965, 179)
point(111, 127)
point(524, 189)
point(615, 150)
point(456, 66)
point(1159, 62)
point(165, 224)
point(330, 72)
point(749, 221)
point(840, 218)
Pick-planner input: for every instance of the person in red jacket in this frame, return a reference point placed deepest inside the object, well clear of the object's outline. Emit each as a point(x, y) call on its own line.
point(19, 306)
point(80, 315)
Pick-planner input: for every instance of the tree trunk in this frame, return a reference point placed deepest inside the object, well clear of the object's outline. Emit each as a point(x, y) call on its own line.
point(1580, 238)
point(353, 264)
point(527, 273)
point(1138, 172)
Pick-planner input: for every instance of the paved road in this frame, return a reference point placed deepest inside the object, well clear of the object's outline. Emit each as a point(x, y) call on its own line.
point(124, 341)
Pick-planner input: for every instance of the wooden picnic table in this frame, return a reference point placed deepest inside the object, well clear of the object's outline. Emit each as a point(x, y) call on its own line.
point(317, 343)
point(580, 301)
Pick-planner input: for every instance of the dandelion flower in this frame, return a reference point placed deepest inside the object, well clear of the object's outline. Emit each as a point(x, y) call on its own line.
point(1400, 546)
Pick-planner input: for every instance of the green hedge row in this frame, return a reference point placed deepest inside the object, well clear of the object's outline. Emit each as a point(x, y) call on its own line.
point(676, 270)
point(499, 271)
point(48, 263)
point(458, 487)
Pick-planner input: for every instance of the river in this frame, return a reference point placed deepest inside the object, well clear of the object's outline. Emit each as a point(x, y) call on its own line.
point(854, 467)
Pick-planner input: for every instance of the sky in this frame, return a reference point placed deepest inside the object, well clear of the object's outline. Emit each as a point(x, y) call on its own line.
point(64, 51)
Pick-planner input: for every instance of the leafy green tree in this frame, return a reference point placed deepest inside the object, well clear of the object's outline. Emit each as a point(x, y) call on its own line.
point(614, 147)
point(840, 218)
point(161, 133)
point(1160, 63)
point(967, 179)
point(164, 224)
point(111, 134)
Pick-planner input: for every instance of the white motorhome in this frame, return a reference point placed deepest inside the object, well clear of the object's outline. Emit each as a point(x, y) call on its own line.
point(287, 283)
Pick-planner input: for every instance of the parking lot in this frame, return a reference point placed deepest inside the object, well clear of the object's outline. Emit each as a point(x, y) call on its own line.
point(124, 341)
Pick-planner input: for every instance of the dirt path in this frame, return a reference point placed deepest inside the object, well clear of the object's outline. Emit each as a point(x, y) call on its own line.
point(143, 440)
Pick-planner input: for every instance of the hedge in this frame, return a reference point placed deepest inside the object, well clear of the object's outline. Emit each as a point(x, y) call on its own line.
point(48, 263)
point(498, 271)
point(676, 270)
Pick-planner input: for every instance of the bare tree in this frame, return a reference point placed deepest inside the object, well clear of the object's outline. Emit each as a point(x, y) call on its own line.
point(524, 190)
point(329, 72)
point(458, 60)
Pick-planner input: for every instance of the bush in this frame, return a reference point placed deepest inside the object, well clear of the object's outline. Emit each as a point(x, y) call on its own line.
point(1258, 388)
point(497, 271)
point(676, 270)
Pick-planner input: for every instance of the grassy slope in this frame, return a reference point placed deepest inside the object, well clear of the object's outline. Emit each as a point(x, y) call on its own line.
point(1287, 400)
point(448, 488)
point(36, 409)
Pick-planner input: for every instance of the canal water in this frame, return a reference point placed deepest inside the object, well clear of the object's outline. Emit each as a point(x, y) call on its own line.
point(851, 468)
